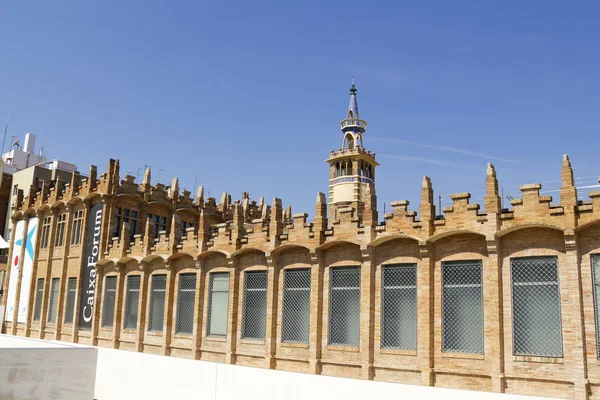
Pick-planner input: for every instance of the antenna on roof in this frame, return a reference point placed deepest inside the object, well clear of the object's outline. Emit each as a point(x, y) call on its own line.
point(5, 131)
point(159, 171)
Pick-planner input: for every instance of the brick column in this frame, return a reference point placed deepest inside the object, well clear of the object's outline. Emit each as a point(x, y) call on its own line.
point(198, 309)
point(36, 252)
point(10, 266)
point(272, 297)
point(367, 314)
point(168, 311)
point(84, 233)
point(117, 325)
point(141, 323)
point(425, 313)
point(19, 276)
point(493, 310)
point(63, 276)
point(51, 243)
point(233, 310)
point(316, 313)
point(98, 299)
point(574, 314)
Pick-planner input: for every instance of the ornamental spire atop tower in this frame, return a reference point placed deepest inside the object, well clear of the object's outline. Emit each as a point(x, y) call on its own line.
point(353, 127)
point(353, 107)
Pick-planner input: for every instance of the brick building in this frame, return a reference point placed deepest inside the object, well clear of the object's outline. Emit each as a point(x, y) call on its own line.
point(502, 300)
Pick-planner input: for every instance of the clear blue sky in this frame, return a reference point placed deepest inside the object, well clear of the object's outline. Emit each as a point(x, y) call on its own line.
point(248, 95)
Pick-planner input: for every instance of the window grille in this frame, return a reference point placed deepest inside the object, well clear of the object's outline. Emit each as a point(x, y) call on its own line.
point(45, 232)
point(344, 306)
point(399, 307)
point(37, 310)
point(60, 230)
point(296, 306)
point(218, 304)
point(53, 306)
point(157, 303)
point(596, 281)
point(110, 293)
point(125, 215)
point(132, 301)
point(462, 304)
point(255, 305)
point(77, 227)
point(186, 299)
point(70, 306)
point(537, 329)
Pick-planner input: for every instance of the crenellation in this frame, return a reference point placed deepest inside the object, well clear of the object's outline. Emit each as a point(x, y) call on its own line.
point(153, 230)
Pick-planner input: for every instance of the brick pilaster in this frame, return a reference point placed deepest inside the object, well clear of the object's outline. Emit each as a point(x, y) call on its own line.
point(425, 314)
point(316, 312)
point(367, 313)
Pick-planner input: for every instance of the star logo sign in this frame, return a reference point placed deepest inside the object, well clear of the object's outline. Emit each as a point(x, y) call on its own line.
point(28, 243)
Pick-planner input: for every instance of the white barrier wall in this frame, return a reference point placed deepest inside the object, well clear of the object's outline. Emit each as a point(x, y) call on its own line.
point(135, 376)
point(41, 370)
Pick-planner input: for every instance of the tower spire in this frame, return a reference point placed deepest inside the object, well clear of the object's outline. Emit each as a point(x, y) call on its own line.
point(353, 107)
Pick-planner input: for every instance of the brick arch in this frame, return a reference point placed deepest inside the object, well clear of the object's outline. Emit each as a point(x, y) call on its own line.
point(250, 258)
point(182, 261)
point(384, 239)
point(454, 232)
point(293, 256)
point(214, 259)
point(397, 250)
point(588, 225)
point(342, 253)
point(461, 245)
point(519, 227)
point(532, 240)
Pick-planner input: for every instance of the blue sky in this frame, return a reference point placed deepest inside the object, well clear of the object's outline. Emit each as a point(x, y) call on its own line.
point(248, 95)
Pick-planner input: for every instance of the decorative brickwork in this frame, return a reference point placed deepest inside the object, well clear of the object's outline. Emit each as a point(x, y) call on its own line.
point(202, 237)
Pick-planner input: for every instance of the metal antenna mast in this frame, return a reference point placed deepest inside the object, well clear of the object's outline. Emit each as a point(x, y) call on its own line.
point(159, 171)
point(5, 131)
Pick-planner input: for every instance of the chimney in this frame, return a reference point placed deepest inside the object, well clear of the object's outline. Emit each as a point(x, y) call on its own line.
point(29, 143)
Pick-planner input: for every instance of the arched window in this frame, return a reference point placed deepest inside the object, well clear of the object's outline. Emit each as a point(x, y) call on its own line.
point(336, 172)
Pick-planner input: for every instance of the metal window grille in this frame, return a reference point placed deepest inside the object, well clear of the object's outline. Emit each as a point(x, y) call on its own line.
point(60, 230)
point(295, 316)
point(157, 303)
point(399, 307)
point(186, 299)
point(131, 302)
point(70, 306)
point(218, 304)
point(596, 281)
point(53, 306)
point(77, 225)
point(344, 306)
point(537, 329)
point(110, 294)
point(462, 304)
point(255, 305)
point(37, 309)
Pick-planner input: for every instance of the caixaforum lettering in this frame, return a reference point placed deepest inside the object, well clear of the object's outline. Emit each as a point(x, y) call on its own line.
point(92, 253)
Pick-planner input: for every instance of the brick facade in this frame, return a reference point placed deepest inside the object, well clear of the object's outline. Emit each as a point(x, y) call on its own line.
point(174, 234)
point(245, 236)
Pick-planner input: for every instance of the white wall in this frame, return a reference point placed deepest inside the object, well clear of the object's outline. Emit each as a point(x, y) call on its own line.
point(41, 370)
point(136, 376)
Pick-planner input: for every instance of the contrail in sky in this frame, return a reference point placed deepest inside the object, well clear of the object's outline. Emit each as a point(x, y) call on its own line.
point(445, 148)
point(410, 158)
